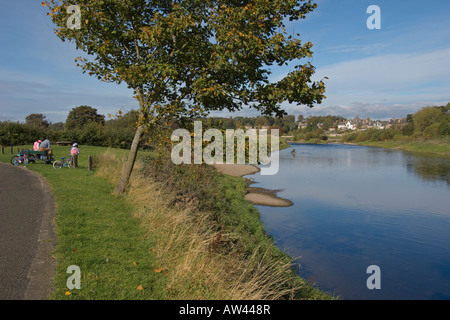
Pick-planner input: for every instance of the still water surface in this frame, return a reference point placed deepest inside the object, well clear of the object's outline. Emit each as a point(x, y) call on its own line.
point(359, 206)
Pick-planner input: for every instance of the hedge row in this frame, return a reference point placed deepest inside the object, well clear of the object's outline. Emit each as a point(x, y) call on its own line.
point(15, 133)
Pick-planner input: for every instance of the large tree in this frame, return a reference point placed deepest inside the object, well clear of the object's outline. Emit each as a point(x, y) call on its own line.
point(185, 58)
point(37, 120)
point(78, 117)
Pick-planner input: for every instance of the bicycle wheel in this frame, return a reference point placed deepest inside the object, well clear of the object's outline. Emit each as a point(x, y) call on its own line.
point(16, 161)
point(68, 164)
point(12, 160)
point(57, 164)
point(31, 159)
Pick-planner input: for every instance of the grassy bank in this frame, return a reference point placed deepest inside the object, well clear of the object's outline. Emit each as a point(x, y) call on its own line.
point(439, 146)
point(310, 141)
point(146, 245)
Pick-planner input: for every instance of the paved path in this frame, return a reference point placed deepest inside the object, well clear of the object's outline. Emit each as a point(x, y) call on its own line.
point(26, 234)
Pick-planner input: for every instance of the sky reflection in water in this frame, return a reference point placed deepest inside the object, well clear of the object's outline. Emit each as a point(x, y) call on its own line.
point(357, 206)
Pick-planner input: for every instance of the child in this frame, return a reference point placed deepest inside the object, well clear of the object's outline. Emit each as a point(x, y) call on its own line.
point(74, 152)
point(36, 145)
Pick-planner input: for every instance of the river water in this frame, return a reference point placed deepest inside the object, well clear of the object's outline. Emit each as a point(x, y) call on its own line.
point(355, 207)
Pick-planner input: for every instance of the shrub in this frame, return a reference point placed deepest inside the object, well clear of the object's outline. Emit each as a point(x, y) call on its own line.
point(349, 137)
point(426, 117)
point(444, 127)
point(362, 136)
point(432, 131)
point(190, 182)
point(408, 129)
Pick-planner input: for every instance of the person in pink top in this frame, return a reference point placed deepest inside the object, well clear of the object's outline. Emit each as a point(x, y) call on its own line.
point(36, 145)
point(74, 149)
point(74, 152)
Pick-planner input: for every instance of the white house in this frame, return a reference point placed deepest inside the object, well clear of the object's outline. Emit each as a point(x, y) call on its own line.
point(349, 126)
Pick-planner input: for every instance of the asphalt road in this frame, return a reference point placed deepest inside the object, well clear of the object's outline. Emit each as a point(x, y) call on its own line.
point(26, 234)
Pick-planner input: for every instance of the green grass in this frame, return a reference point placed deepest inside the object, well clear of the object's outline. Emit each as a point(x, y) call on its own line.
point(97, 232)
point(439, 146)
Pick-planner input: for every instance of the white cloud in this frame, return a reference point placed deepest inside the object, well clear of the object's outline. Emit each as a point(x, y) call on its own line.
point(384, 86)
point(358, 49)
point(390, 72)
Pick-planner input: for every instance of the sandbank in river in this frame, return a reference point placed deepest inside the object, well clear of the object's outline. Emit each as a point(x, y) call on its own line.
point(255, 195)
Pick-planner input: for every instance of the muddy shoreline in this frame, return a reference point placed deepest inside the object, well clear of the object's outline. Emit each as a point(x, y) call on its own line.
point(255, 195)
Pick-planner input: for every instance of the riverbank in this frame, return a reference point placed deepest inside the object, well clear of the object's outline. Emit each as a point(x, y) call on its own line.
point(211, 241)
point(438, 146)
point(255, 195)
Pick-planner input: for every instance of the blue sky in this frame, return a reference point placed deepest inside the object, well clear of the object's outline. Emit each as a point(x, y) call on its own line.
point(383, 73)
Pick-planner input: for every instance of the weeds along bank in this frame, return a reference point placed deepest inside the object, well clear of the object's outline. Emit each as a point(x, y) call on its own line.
point(211, 243)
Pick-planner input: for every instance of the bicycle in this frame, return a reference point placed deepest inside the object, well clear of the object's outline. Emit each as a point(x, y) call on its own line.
point(21, 158)
point(66, 163)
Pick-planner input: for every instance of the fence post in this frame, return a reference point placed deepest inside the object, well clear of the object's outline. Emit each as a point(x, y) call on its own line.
point(3, 150)
point(75, 160)
point(12, 150)
point(90, 163)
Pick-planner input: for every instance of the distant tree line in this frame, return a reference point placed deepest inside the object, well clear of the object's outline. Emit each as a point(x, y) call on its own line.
point(85, 126)
point(283, 124)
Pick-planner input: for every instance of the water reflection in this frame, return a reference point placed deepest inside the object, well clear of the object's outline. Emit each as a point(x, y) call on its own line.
point(429, 168)
point(356, 206)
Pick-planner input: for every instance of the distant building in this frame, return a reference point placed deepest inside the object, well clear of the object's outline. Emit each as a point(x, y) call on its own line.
point(342, 126)
point(350, 126)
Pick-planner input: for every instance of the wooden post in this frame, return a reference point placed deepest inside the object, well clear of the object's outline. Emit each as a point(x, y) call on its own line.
point(90, 163)
point(12, 150)
point(75, 160)
point(3, 150)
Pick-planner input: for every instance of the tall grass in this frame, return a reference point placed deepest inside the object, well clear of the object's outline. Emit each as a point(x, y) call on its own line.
point(207, 252)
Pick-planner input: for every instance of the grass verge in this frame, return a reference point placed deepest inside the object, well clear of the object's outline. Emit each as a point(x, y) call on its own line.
point(98, 233)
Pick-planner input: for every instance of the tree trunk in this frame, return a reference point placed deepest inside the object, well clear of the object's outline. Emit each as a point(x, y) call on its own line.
point(126, 171)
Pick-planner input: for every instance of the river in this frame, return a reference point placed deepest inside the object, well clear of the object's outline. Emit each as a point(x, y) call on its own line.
point(357, 206)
